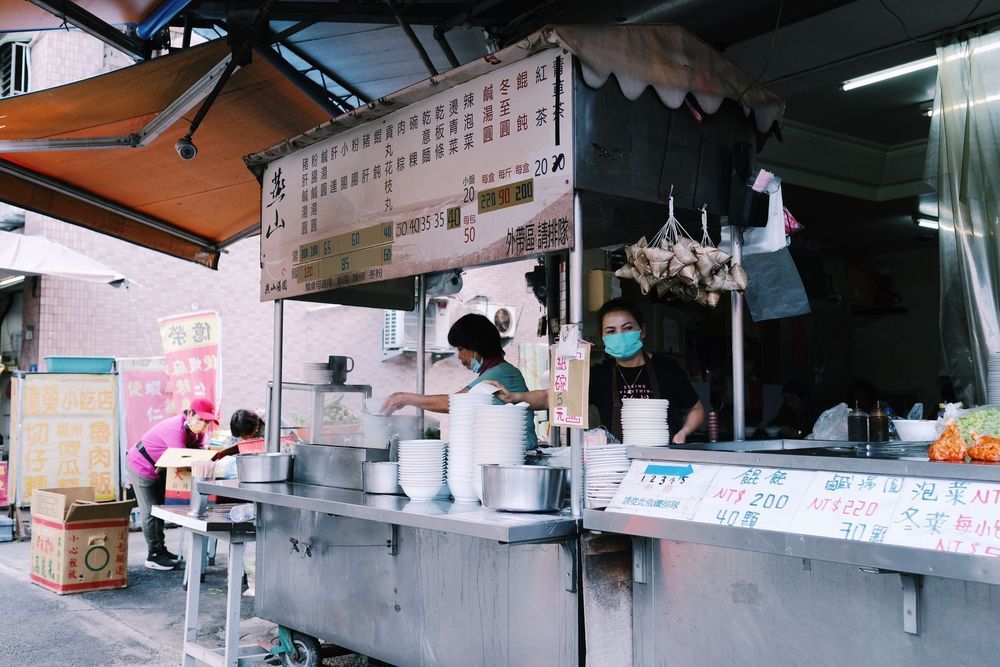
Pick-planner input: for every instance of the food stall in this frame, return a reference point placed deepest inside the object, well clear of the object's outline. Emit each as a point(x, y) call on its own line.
point(527, 152)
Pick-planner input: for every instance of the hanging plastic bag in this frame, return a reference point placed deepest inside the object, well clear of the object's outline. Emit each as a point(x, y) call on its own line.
point(757, 240)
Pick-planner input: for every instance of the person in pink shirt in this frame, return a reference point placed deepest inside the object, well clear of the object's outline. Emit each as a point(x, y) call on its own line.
point(185, 430)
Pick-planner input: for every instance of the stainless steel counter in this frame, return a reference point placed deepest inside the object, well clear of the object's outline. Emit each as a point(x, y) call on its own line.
point(445, 516)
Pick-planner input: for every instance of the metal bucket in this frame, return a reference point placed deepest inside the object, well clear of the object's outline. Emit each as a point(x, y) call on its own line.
point(381, 477)
point(268, 467)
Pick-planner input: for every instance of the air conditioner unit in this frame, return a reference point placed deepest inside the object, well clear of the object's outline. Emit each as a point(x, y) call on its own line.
point(504, 318)
point(401, 328)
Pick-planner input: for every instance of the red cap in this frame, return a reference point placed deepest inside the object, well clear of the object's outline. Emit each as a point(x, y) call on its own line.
point(205, 409)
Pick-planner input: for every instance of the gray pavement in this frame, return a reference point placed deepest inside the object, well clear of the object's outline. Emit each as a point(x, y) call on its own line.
point(138, 625)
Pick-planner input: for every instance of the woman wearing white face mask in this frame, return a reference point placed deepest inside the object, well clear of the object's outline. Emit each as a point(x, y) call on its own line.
point(632, 373)
point(477, 342)
point(629, 373)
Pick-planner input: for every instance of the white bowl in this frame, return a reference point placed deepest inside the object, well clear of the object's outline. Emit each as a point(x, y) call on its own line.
point(916, 430)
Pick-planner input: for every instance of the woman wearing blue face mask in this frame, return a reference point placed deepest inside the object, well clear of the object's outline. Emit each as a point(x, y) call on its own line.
point(632, 373)
point(477, 342)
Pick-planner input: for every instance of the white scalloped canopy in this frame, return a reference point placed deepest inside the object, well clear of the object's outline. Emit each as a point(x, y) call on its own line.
point(669, 59)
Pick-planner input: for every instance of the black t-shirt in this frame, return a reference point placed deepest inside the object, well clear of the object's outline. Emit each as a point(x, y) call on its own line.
point(673, 383)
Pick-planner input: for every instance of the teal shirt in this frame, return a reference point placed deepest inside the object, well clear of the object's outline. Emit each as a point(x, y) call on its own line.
point(511, 378)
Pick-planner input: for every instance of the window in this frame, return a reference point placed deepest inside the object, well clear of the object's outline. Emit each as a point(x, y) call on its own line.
point(15, 67)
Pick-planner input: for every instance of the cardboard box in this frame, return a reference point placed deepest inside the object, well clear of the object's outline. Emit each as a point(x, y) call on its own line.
point(177, 461)
point(78, 544)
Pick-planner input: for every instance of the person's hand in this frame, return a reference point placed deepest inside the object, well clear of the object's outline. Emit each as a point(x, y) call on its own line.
point(503, 395)
point(680, 437)
point(394, 402)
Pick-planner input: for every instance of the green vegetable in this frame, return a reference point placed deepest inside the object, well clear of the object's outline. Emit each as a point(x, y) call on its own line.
point(984, 421)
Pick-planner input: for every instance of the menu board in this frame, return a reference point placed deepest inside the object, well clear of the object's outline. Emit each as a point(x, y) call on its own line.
point(956, 516)
point(663, 489)
point(948, 515)
point(478, 173)
point(67, 434)
point(750, 497)
point(855, 507)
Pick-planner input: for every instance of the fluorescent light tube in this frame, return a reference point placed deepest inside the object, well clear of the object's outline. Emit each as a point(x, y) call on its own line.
point(891, 73)
point(927, 223)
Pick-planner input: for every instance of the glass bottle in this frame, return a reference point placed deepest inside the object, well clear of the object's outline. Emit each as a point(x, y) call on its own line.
point(878, 424)
point(857, 424)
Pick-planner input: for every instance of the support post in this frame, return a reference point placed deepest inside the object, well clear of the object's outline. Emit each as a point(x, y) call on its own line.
point(421, 343)
point(274, 412)
point(578, 483)
point(739, 386)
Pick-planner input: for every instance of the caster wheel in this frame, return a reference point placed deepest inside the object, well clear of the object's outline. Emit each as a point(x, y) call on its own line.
point(307, 652)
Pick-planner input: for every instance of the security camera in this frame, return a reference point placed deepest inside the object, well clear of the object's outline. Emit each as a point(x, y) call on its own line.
point(186, 148)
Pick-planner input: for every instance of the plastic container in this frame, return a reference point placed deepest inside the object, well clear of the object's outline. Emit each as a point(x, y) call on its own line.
point(878, 424)
point(857, 425)
point(79, 364)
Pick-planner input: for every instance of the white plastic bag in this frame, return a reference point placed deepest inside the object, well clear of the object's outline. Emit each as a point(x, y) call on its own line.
point(758, 240)
point(832, 424)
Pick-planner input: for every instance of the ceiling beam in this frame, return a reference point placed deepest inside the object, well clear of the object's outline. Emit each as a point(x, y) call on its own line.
point(322, 69)
point(92, 25)
point(423, 12)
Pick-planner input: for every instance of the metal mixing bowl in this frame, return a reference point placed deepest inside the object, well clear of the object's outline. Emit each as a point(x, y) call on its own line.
point(523, 488)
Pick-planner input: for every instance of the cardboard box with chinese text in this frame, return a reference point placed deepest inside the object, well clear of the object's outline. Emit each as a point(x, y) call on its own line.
point(177, 461)
point(78, 544)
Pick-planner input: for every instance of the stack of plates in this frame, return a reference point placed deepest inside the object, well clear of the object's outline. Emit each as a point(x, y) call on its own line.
point(498, 437)
point(422, 468)
point(993, 378)
point(317, 373)
point(461, 470)
point(605, 468)
point(644, 422)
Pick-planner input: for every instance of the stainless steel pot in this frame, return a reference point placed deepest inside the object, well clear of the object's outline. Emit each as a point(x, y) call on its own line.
point(380, 477)
point(522, 488)
point(267, 467)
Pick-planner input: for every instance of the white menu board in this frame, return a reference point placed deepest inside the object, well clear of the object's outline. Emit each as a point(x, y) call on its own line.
point(948, 515)
point(751, 497)
point(475, 174)
point(856, 507)
point(663, 489)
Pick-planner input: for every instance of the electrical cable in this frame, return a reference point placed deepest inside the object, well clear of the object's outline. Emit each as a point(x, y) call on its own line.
point(924, 38)
point(770, 52)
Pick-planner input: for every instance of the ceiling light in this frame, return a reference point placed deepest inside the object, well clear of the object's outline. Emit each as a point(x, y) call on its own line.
point(891, 73)
point(927, 223)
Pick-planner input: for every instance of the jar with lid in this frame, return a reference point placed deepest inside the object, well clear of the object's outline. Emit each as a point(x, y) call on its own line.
point(857, 425)
point(878, 424)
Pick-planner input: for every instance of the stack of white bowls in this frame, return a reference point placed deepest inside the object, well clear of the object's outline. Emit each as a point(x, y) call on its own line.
point(993, 378)
point(644, 422)
point(422, 468)
point(317, 373)
point(605, 468)
point(461, 427)
point(499, 438)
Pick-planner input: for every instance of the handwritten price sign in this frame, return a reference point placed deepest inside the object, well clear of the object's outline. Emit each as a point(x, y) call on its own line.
point(763, 498)
point(854, 507)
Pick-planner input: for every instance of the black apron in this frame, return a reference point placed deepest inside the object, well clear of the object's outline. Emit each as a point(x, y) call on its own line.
point(616, 397)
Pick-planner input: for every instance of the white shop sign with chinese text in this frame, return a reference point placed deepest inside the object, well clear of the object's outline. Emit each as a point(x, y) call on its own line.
point(855, 507)
point(751, 497)
point(477, 174)
point(948, 515)
point(663, 489)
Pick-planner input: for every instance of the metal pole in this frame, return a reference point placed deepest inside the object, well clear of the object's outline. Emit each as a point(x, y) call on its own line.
point(739, 388)
point(412, 36)
point(578, 483)
point(274, 416)
point(421, 343)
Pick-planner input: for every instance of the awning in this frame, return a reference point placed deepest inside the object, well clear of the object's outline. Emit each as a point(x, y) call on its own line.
point(18, 15)
point(667, 58)
point(148, 195)
point(38, 256)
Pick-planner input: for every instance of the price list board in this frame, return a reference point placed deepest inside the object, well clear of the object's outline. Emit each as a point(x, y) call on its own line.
point(954, 516)
point(664, 490)
point(763, 498)
point(476, 174)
